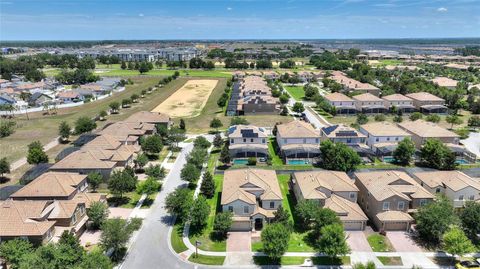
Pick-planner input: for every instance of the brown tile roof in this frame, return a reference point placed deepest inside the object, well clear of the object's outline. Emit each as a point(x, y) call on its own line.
point(312, 183)
point(385, 184)
point(383, 129)
point(345, 209)
point(64, 209)
point(51, 184)
point(262, 180)
point(426, 129)
point(394, 215)
point(423, 96)
point(88, 198)
point(86, 159)
point(367, 97)
point(127, 128)
point(24, 218)
point(338, 97)
point(455, 180)
point(445, 82)
point(110, 142)
point(148, 117)
point(297, 128)
point(396, 97)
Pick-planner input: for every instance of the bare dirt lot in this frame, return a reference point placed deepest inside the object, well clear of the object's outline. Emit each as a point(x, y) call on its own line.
point(189, 100)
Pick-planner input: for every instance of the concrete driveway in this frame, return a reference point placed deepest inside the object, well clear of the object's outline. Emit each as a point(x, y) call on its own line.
point(239, 242)
point(357, 240)
point(402, 242)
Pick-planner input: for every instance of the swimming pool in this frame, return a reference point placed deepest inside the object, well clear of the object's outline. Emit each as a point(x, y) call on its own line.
point(388, 159)
point(296, 162)
point(240, 161)
point(461, 161)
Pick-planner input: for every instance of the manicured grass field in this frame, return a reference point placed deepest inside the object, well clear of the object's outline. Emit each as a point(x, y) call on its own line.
point(390, 260)
point(264, 260)
point(176, 239)
point(296, 92)
point(379, 243)
point(276, 160)
point(208, 260)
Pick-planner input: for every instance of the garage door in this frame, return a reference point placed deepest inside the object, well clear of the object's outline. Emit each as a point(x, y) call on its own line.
point(353, 226)
point(396, 226)
point(240, 226)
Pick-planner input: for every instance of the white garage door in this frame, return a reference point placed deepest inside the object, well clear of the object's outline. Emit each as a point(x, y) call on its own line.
point(396, 226)
point(353, 226)
point(240, 226)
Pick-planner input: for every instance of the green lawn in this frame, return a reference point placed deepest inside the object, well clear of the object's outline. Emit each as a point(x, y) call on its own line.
point(379, 243)
point(296, 92)
point(272, 144)
point(208, 260)
point(164, 72)
point(264, 260)
point(176, 239)
point(296, 244)
point(205, 236)
point(131, 199)
point(390, 260)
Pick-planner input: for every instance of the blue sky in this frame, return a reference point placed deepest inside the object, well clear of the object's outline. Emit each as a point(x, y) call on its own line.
point(237, 19)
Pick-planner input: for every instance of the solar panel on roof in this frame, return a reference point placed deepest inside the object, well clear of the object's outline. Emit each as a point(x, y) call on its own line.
point(248, 133)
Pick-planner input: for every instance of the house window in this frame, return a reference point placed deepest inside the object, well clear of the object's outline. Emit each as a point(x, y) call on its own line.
point(471, 197)
point(317, 140)
point(74, 218)
point(285, 141)
point(376, 139)
point(244, 140)
point(437, 190)
point(245, 209)
point(423, 202)
point(386, 205)
point(396, 138)
point(401, 205)
point(460, 197)
point(230, 208)
point(251, 140)
point(263, 140)
point(272, 204)
point(231, 141)
point(304, 141)
point(352, 195)
point(388, 138)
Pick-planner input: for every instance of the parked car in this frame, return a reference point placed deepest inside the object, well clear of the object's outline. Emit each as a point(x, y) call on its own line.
point(468, 265)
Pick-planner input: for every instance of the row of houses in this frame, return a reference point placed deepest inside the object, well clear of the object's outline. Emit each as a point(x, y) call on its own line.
point(368, 103)
point(385, 198)
point(303, 76)
point(420, 58)
point(57, 200)
point(299, 143)
point(351, 85)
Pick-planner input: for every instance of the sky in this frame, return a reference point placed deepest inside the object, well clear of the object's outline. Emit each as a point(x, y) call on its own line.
point(237, 19)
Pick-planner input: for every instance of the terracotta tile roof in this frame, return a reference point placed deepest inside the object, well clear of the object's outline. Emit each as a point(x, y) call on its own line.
point(345, 209)
point(445, 82)
point(148, 117)
point(455, 180)
point(88, 198)
point(383, 129)
point(86, 159)
point(51, 184)
point(367, 97)
point(68, 94)
point(64, 209)
point(127, 128)
point(312, 184)
point(424, 96)
point(394, 215)
point(236, 185)
point(385, 184)
point(338, 97)
point(426, 129)
point(24, 218)
point(297, 128)
point(396, 97)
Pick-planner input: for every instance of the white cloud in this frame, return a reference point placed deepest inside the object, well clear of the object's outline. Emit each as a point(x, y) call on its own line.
point(229, 8)
point(442, 9)
point(140, 15)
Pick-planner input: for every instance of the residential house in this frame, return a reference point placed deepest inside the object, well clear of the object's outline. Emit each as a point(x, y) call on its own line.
point(352, 85)
point(383, 137)
point(445, 82)
point(253, 195)
point(69, 96)
point(150, 118)
point(123, 128)
point(428, 103)
point(39, 99)
point(387, 197)
point(247, 141)
point(421, 131)
point(298, 142)
point(7, 100)
point(369, 103)
point(455, 185)
point(342, 103)
point(399, 102)
point(342, 134)
point(333, 190)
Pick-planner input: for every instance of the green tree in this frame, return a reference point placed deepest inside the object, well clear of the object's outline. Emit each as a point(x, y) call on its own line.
point(298, 107)
point(275, 239)
point(202, 142)
point(4, 167)
point(239, 121)
point(362, 119)
point(94, 179)
point(14, 250)
point(102, 115)
point(149, 186)
point(435, 154)
point(179, 203)
point(225, 155)
point(333, 241)
point(434, 219)
point(281, 216)
point(404, 152)
point(470, 218)
point(338, 156)
point(215, 124)
point(208, 185)
point(306, 212)
point(95, 259)
point(114, 237)
point(114, 107)
point(123, 66)
point(197, 157)
point(97, 213)
point(152, 144)
point(323, 217)
point(456, 242)
point(416, 116)
point(64, 131)
point(36, 154)
point(182, 124)
point(7, 127)
point(199, 212)
point(453, 120)
point(368, 265)
point(433, 118)
point(474, 121)
point(380, 117)
point(84, 125)
point(217, 141)
point(175, 136)
point(155, 171)
point(190, 173)
point(121, 182)
point(141, 161)
point(222, 223)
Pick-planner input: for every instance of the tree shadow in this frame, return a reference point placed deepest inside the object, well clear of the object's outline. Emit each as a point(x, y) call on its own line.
point(4, 180)
point(116, 201)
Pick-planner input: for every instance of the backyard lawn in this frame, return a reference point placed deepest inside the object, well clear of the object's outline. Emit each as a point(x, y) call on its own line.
point(176, 239)
point(264, 260)
point(386, 260)
point(296, 92)
point(379, 243)
point(272, 145)
point(208, 260)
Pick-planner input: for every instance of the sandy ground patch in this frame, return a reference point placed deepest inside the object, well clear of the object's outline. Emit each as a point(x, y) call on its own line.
point(189, 100)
